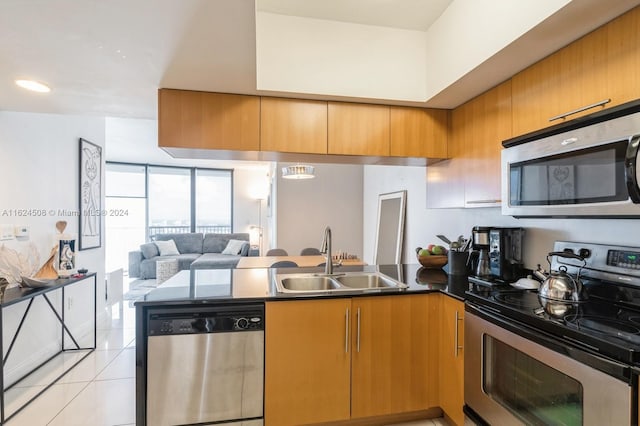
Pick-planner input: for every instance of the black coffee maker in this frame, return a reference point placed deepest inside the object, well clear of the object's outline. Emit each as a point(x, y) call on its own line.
point(505, 253)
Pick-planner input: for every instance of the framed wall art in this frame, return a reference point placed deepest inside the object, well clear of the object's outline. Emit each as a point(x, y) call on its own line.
point(90, 214)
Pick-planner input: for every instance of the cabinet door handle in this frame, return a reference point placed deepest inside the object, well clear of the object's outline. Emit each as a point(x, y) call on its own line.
point(456, 346)
point(346, 331)
point(484, 202)
point(584, 108)
point(358, 332)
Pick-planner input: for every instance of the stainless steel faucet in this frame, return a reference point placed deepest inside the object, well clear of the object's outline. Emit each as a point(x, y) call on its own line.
point(325, 247)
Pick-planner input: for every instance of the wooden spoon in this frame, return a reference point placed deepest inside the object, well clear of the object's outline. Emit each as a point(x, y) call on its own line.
point(61, 225)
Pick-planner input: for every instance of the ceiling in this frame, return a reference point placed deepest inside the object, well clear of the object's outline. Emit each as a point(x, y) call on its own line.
point(109, 57)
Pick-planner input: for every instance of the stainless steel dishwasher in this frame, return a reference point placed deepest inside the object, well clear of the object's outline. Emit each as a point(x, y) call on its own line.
point(205, 365)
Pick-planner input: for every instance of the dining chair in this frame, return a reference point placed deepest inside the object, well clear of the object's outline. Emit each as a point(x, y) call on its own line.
point(310, 251)
point(284, 264)
point(277, 252)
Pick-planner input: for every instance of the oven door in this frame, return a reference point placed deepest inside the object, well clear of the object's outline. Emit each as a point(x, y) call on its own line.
point(512, 379)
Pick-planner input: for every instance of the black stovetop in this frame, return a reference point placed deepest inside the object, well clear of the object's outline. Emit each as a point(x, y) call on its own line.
point(608, 322)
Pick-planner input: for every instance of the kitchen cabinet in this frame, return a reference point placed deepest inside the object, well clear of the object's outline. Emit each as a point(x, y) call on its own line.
point(336, 359)
point(471, 178)
point(203, 120)
point(358, 129)
point(601, 65)
point(393, 359)
point(307, 361)
point(293, 125)
point(418, 132)
point(451, 381)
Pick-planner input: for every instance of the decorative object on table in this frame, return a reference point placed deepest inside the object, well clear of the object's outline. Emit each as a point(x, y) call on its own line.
point(434, 256)
point(14, 265)
point(48, 270)
point(390, 230)
point(66, 257)
point(66, 251)
point(34, 282)
point(90, 216)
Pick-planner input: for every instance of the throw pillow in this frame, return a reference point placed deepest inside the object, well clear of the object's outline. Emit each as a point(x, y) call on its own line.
point(167, 248)
point(234, 247)
point(149, 250)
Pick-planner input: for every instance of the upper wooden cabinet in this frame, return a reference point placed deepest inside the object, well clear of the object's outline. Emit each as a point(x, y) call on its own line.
point(471, 178)
point(358, 129)
point(599, 66)
point(419, 132)
point(203, 120)
point(293, 125)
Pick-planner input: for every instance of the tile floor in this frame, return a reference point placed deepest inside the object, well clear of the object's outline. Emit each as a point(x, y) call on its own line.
point(100, 391)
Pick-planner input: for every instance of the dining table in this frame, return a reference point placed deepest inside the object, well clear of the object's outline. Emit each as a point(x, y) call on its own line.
point(301, 261)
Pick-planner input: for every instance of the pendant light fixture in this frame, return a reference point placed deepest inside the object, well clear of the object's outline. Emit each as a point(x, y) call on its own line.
point(298, 171)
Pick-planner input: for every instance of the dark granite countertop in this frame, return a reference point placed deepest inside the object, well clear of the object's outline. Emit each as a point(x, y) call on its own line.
point(244, 285)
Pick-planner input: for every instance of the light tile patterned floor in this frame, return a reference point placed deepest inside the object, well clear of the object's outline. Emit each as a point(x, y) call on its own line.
point(100, 391)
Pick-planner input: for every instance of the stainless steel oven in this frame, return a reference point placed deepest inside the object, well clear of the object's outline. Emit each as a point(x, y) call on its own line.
point(518, 375)
point(586, 167)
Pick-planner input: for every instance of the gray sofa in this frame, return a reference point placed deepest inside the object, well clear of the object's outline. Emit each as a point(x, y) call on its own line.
point(196, 251)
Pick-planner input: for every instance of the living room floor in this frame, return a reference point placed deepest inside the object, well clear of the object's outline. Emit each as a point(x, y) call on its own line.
point(101, 389)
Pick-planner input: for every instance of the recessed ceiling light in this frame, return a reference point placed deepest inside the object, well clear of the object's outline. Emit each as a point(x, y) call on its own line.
point(33, 86)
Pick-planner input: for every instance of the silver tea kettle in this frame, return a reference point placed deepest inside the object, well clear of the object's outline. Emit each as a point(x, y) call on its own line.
point(560, 286)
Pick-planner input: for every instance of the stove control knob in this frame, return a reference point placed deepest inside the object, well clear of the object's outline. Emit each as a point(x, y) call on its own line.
point(584, 253)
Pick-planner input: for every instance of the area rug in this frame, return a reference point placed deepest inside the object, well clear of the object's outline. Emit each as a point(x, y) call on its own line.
point(138, 288)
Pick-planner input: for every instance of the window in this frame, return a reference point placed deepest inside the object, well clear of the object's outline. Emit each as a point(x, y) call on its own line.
point(161, 199)
point(125, 186)
point(169, 200)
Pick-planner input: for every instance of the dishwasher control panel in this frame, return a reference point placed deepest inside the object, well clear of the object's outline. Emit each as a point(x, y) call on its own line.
point(203, 321)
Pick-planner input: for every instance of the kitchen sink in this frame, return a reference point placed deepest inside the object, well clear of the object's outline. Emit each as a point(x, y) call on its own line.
point(308, 283)
point(354, 282)
point(366, 281)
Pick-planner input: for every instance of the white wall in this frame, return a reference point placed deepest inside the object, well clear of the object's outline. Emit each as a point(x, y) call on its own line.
point(422, 224)
point(305, 207)
point(40, 172)
point(304, 55)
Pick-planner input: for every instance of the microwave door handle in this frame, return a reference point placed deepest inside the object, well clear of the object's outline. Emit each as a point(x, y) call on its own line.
point(631, 169)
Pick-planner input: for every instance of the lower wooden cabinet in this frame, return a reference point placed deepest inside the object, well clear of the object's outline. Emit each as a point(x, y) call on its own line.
point(307, 361)
point(451, 383)
point(336, 359)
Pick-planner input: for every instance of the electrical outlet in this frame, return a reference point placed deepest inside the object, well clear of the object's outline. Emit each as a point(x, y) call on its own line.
point(6, 232)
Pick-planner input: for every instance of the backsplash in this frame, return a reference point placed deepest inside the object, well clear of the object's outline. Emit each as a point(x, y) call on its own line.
point(422, 224)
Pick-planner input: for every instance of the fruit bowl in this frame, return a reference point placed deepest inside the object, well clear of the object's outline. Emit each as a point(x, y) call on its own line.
point(433, 261)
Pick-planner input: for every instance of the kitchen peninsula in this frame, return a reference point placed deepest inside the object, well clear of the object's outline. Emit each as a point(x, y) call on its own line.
point(342, 336)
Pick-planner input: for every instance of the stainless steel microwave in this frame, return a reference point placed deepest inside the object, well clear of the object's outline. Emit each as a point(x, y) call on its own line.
point(587, 167)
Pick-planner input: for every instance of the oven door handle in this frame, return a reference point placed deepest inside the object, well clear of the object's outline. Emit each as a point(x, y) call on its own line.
point(631, 169)
point(568, 347)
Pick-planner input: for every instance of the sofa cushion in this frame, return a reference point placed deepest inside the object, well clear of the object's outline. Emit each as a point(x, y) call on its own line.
point(167, 248)
point(186, 243)
point(149, 250)
point(216, 243)
point(216, 261)
point(234, 247)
